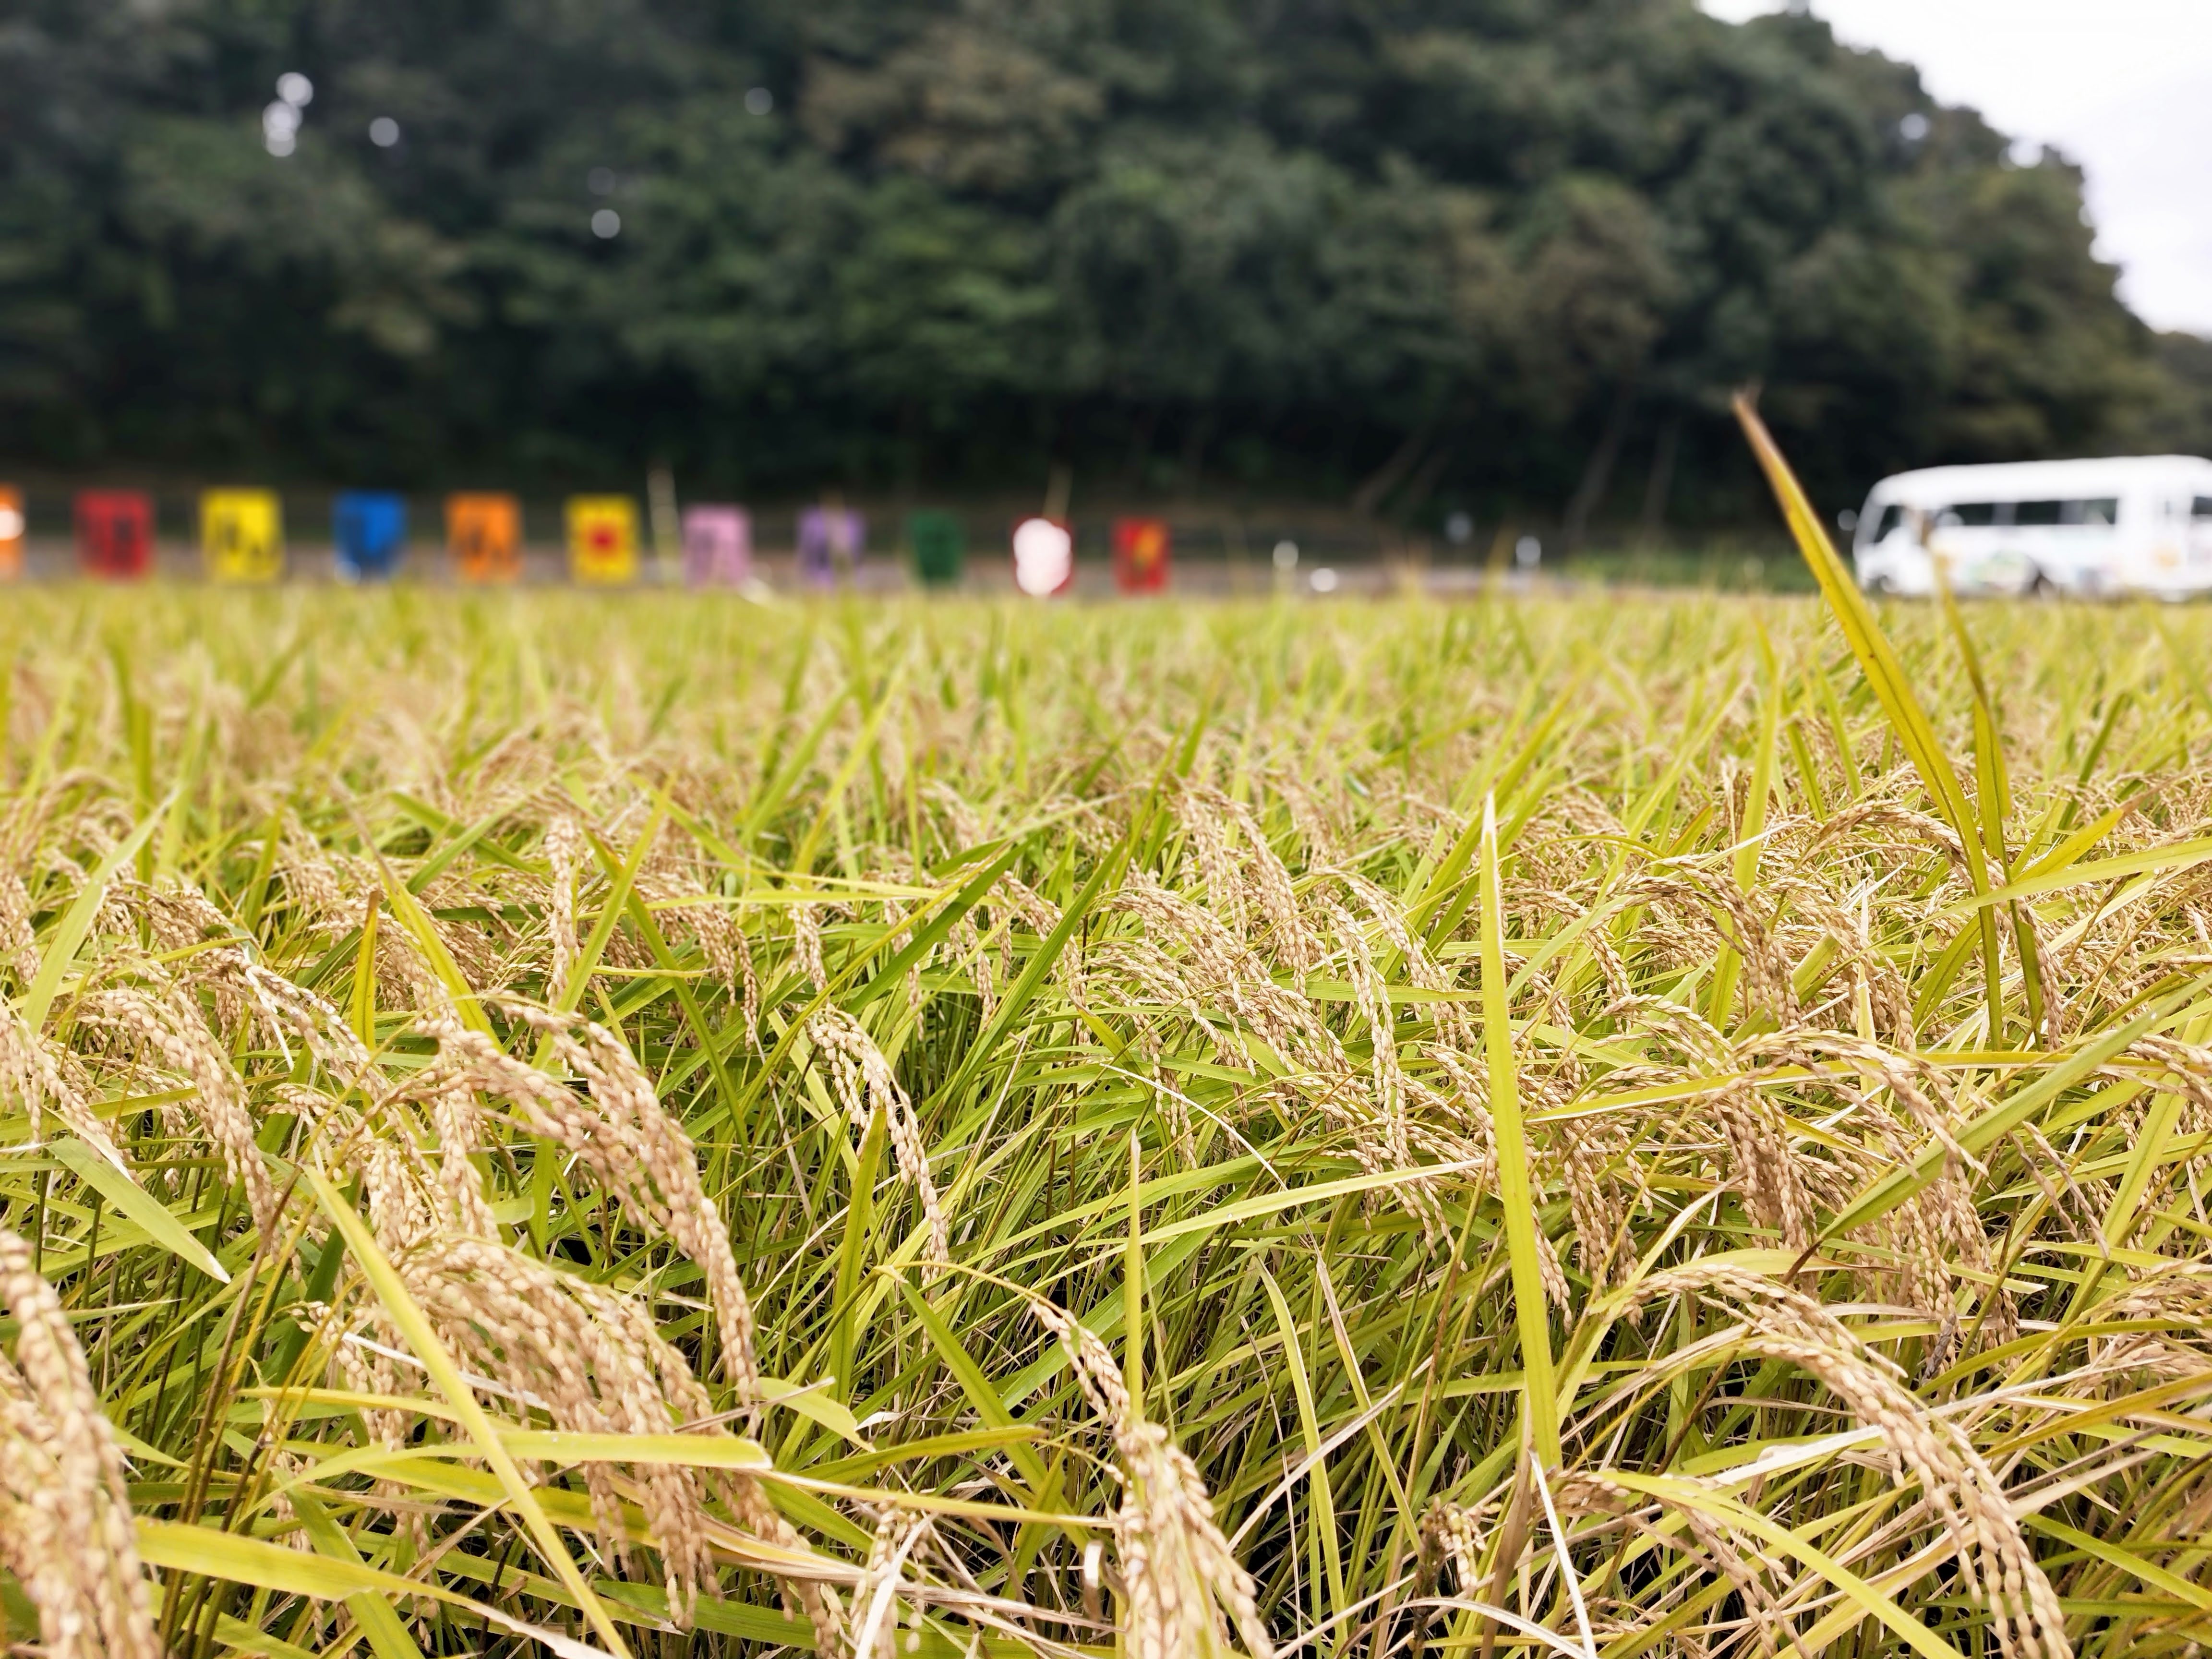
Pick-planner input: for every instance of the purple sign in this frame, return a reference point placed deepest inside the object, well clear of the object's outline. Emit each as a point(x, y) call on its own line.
point(718, 546)
point(830, 543)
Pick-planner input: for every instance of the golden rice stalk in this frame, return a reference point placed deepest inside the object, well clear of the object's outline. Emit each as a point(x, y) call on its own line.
point(1584, 1491)
point(864, 1082)
point(2178, 1295)
point(1272, 891)
point(1956, 1485)
point(171, 1029)
point(289, 1011)
point(66, 1531)
point(31, 1070)
point(457, 1123)
point(565, 851)
point(1419, 968)
point(638, 1151)
point(315, 885)
point(1224, 972)
point(1184, 1585)
point(1206, 844)
point(1452, 1535)
point(1371, 996)
point(1042, 915)
point(875, 1598)
point(597, 1364)
point(807, 945)
point(19, 946)
point(1767, 1171)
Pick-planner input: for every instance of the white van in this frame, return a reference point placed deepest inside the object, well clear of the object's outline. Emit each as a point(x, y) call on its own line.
point(2137, 524)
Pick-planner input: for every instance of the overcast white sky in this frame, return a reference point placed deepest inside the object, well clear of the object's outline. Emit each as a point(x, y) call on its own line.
point(2124, 87)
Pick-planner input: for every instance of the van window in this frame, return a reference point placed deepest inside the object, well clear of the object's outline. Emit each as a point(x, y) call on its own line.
point(2104, 512)
point(2201, 508)
point(1971, 515)
point(1893, 515)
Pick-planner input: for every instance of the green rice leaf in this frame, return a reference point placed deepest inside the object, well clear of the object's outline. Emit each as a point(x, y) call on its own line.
point(136, 1204)
point(1541, 1403)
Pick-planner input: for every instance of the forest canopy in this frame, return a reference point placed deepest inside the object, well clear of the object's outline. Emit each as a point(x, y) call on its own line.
point(1395, 254)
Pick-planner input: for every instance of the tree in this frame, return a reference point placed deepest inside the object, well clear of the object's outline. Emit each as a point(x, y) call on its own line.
point(1386, 253)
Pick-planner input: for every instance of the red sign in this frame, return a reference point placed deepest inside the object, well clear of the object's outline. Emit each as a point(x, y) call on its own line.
point(114, 534)
point(1141, 553)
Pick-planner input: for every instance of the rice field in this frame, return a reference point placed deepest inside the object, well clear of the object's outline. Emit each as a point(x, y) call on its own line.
point(1525, 1126)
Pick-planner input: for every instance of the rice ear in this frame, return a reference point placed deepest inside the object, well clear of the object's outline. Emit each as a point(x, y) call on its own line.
point(629, 1141)
point(1965, 1496)
point(66, 1530)
point(864, 1083)
point(1183, 1586)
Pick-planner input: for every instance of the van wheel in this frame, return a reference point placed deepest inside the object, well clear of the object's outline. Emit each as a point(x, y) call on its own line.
point(1883, 585)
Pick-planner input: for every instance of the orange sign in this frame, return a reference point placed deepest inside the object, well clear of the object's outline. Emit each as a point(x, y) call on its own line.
point(602, 539)
point(1141, 550)
point(11, 533)
point(483, 533)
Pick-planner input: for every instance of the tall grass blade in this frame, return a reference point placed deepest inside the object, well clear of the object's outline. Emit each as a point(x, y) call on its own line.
point(1541, 1403)
point(251, 1561)
point(1879, 662)
point(59, 953)
point(135, 1204)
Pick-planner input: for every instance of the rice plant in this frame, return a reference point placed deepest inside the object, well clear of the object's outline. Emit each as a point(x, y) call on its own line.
point(1533, 1126)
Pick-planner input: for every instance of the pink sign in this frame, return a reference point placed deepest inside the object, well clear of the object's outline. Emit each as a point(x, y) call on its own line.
point(718, 546)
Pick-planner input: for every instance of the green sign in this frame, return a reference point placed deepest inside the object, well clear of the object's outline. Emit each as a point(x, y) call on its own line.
point(940, 547)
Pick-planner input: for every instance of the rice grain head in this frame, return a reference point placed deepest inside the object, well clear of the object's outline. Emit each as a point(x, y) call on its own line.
point(66, 1530)
point(1184, 1586)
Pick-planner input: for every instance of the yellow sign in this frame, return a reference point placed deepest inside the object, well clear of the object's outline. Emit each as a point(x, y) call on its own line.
point(242, 535)
point(602, 539)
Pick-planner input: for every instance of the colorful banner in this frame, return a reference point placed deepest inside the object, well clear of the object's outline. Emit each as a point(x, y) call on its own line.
point(483, 535)
point(368, 534)
point(1044, 557)
point(940, 548)
point(602, 539)
point(832, 540)
point(1142, 550)
point(114, 534)
point(242, 535)
point(718, 546)
point(11, 533)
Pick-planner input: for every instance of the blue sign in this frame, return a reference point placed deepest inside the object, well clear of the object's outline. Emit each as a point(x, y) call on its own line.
point(370, 531)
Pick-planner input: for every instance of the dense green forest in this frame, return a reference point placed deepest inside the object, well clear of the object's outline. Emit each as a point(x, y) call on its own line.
point(1397, 254)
